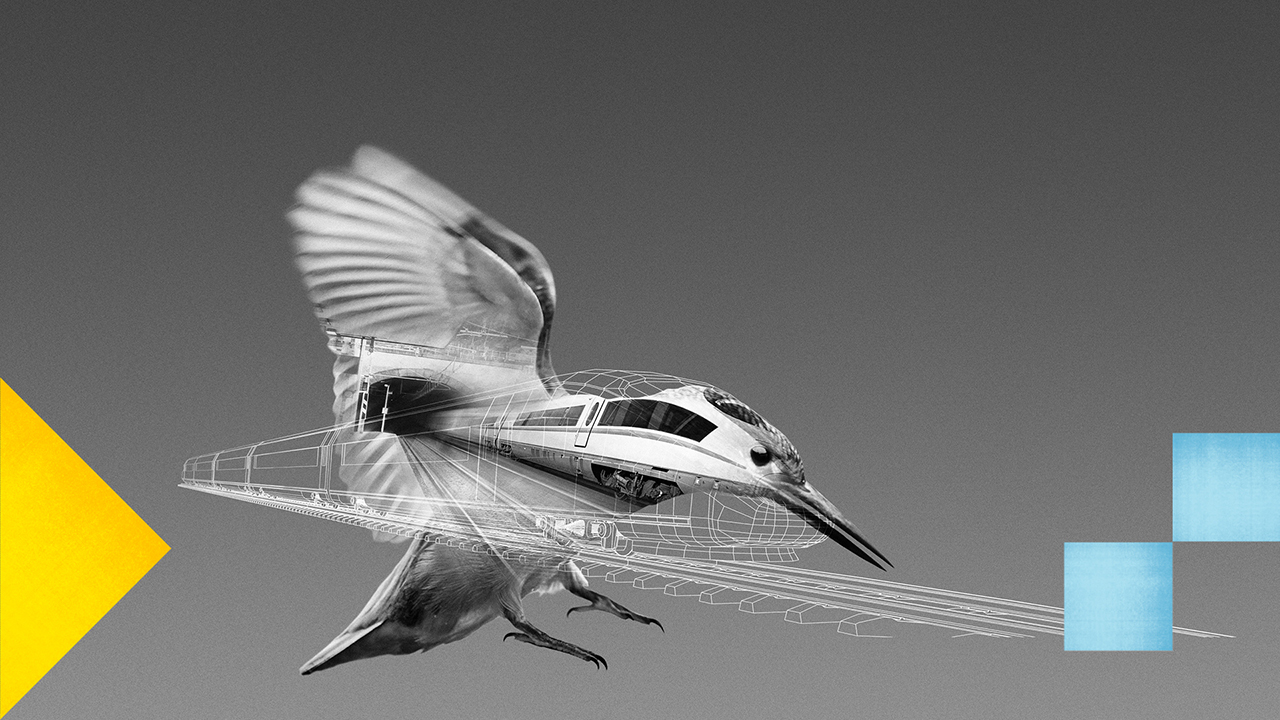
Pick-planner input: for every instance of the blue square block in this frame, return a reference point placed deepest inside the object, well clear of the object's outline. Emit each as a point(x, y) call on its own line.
point(1117, 596)
point(1226, 487)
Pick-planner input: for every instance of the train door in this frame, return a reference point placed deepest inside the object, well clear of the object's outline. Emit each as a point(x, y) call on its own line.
point(584, 431)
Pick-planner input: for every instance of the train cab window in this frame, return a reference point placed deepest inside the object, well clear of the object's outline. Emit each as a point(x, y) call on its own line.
point(657, 415)
point(558, 417)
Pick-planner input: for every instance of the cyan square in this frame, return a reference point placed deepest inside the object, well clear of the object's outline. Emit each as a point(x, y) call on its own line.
point(1117, 596)
point(1226, 487)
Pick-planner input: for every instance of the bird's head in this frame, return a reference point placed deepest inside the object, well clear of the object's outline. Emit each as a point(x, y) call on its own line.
point(773, 470)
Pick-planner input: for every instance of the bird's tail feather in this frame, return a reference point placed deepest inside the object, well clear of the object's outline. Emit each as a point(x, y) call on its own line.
point(344, 648)
point(359, 639)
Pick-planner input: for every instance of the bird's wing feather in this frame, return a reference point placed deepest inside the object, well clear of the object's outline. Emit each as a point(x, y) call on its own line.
point(387, 252)
point(519, 254)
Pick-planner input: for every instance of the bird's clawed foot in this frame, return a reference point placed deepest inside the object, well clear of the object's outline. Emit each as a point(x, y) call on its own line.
point(600, 602)
point(534, 636)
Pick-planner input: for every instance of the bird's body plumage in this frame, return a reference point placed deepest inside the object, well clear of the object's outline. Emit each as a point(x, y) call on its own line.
point(437, 594)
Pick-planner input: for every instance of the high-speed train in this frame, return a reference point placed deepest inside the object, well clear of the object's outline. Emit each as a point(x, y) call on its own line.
point(638, 449)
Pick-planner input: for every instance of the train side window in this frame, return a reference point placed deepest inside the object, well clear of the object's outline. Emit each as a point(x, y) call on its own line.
point(564, 416)
point(569, 415)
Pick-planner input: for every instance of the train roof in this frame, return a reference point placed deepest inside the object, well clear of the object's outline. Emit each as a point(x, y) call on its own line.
point(611, 384)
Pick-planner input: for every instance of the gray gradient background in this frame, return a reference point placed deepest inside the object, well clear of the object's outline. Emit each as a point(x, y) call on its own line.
point(977, 261)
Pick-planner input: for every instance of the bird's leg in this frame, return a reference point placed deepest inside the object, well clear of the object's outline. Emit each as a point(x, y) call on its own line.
point(534, 636)
point(576, 583)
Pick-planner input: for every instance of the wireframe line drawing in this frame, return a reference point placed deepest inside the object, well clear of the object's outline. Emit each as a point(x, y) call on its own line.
point(857, 606)
point(453, 430)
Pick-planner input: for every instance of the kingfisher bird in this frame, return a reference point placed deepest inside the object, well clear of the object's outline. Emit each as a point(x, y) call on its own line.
point(386, 252)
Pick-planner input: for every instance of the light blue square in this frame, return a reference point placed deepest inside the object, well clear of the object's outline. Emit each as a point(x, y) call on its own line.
point(1117, 596)
point(1226, 487)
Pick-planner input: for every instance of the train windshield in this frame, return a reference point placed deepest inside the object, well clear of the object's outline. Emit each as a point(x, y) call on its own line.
point(657, 415)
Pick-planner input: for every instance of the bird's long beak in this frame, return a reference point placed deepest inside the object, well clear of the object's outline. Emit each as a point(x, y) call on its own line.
point(803, 500)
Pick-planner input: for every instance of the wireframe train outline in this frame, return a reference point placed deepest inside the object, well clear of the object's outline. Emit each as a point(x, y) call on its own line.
point(643, 452)
point(717, 549)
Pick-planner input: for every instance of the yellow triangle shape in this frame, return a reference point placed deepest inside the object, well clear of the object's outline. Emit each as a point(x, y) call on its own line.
point(70, 548)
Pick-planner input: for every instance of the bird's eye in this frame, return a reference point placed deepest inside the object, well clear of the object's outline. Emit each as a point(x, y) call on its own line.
point(760, 455)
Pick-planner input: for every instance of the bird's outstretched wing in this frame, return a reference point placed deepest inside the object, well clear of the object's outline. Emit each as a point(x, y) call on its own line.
point(387, 252)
